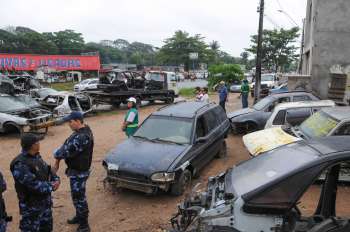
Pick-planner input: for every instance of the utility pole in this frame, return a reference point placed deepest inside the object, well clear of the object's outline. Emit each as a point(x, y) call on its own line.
point(259, 53)
point(300, 65)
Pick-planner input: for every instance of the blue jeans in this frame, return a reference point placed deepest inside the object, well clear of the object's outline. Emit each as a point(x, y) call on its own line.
point(244, 100)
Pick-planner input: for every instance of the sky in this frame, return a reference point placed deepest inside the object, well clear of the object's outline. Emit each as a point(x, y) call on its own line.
point(231, 22)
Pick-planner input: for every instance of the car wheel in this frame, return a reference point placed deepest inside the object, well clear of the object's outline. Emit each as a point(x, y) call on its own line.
point(179, 187)
point(116, 104)
point(251, 127)
point(138, 102)
point(13, 128)
point(169, 100)
point(223, 150)
point(234, 129)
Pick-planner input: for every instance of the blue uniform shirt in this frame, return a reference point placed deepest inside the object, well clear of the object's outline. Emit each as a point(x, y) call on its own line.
point(223, 93)
point(23, 175)
point(72, 147)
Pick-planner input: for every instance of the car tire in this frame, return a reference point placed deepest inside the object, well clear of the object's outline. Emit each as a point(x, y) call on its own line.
point(223, 150)
point(250, 127)
point(169, 100)
point(234, 129)
point(138, 102)
point(179, 187)
point(13, 128)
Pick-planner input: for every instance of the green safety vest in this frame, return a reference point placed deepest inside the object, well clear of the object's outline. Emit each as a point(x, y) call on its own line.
point(245, 88)
point(135, 123)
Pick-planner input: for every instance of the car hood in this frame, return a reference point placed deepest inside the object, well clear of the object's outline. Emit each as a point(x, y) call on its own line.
point(266, 140)
point(144, 157)
point(240, 112)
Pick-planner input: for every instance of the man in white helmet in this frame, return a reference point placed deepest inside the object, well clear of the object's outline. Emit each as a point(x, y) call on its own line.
point(131, 120)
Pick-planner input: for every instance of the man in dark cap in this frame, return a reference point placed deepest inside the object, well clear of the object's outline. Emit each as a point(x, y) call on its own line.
point(34, 183)
point(77, 153)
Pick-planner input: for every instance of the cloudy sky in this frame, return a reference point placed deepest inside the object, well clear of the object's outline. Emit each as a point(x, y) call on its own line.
point(230, 22)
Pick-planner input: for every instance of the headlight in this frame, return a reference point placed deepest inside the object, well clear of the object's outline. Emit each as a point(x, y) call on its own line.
point(114, 167)
point(163, 177)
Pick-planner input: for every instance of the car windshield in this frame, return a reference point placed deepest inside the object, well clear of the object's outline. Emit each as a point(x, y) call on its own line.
point(177, 130)
point(27, 101)
point(268, 167)
point(263, 103)
point(318, 125)
point(44, 92)
point(10, 103)
point(84, 82)
point(267, 78)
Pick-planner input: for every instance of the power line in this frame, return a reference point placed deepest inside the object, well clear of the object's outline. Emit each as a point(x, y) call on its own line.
point(277, 26)
point(279, 4)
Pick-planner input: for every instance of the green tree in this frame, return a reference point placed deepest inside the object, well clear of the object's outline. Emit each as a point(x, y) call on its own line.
point(68, 41)
point(176, 49)
point(224, 72)
point(278, 48)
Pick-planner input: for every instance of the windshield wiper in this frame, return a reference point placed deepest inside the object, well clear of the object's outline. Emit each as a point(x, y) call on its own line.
point(142, 137)
point(166, 141)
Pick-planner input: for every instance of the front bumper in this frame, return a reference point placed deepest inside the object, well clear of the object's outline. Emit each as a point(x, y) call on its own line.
point(136, 184)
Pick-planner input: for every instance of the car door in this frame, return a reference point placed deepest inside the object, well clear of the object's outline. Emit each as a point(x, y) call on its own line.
point(295, 117)
point(215, 136)
point(199, 149)
point(264, 116)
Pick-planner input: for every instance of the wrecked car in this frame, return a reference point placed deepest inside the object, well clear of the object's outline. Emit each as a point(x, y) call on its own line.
point(254, 118)
point(333, 121)
point(169, 148)
point(118, 80)
point(21, 113)
point(23, 83)
point(40, 94)
point(262, 194)
point(6, 85)
point(294, 113)
point(63, 103)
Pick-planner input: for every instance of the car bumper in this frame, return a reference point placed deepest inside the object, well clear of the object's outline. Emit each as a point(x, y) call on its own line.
point(135, 184)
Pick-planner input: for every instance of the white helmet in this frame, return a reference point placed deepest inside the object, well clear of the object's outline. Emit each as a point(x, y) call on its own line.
point(132, 99)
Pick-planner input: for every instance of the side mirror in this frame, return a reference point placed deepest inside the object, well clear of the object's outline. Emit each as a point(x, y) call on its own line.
point(201, 140)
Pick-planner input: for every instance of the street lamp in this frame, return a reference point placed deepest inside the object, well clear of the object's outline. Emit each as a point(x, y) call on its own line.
point(291, 19)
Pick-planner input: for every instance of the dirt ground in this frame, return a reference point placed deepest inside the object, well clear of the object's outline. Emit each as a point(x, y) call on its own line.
point(125, 210)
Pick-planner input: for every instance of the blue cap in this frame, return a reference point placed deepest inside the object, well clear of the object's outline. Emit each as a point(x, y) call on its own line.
point(75, 115)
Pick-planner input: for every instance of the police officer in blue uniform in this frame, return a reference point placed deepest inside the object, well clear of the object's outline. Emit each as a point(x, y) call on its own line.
point(3, 215)
point(77, 153)
point(34, 183)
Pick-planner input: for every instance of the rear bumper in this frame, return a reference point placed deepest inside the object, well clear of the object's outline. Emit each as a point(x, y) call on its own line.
point(149, 188)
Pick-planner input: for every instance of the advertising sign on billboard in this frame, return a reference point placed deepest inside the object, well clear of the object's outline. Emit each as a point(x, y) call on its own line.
point(29, 62)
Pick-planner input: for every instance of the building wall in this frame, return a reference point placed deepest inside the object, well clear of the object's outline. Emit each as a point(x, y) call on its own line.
point(327, 41)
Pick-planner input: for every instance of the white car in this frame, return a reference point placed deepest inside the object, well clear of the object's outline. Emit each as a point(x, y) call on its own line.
point(20, 113)
point(294, 113)
point(63, 103)
point(88, 84)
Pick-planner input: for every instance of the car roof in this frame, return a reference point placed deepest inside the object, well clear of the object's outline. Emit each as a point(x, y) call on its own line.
point(183, 109)
point(292, 93)
point(301, 104)
point(340, 112)
point(330, 145)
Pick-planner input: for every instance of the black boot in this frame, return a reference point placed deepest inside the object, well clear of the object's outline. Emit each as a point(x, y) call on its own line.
point(74, 220)
point(83, 225)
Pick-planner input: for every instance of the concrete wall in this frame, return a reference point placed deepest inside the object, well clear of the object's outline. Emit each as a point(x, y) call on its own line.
point(328, 41)
point(299, 82)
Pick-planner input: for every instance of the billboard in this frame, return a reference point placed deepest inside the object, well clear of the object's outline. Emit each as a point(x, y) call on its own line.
point(30, 62)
